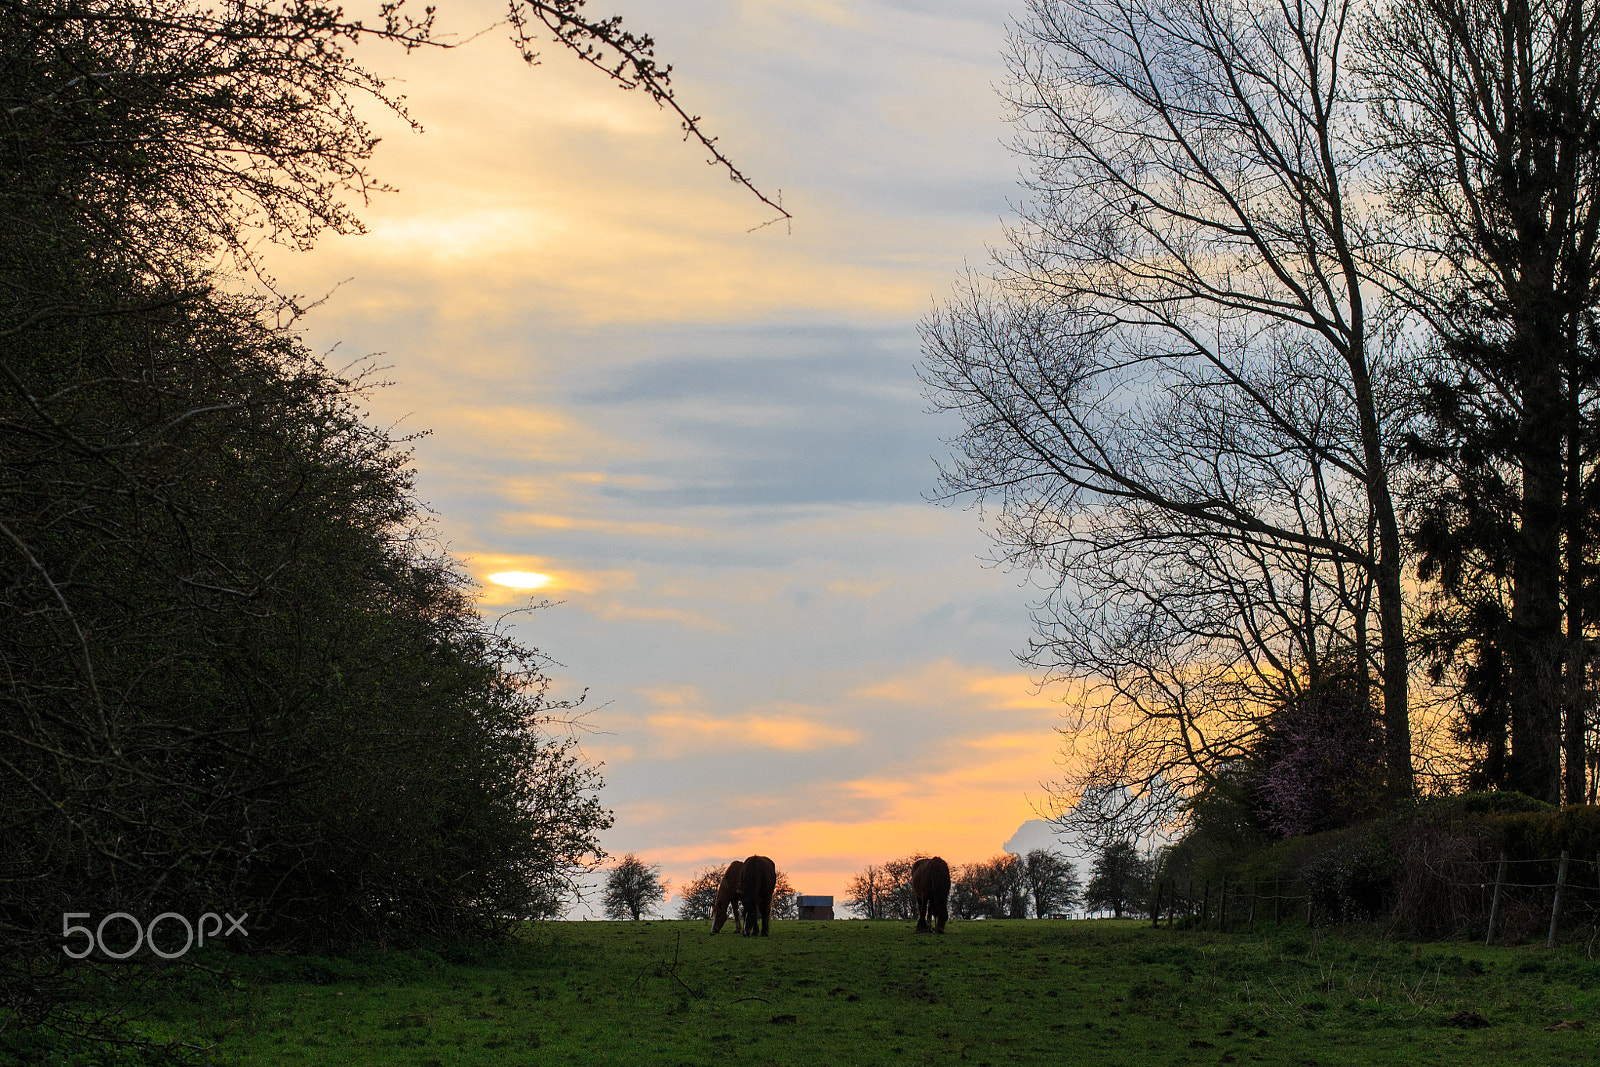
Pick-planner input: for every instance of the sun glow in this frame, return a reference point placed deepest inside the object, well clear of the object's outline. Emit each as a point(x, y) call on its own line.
point(521, 579)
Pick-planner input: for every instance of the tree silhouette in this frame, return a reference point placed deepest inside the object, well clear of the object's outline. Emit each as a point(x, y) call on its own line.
point(698, 897)
point(634, 889)
point(1051, 881)
point(1120, 879)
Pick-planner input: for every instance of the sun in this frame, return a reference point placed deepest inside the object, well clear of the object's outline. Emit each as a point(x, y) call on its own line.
point(521, 579)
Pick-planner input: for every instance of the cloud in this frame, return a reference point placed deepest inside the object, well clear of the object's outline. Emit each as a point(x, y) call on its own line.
point(680, 724)
point(988, 690)
point(682, 732)
point(514, 522)
point(681, 616)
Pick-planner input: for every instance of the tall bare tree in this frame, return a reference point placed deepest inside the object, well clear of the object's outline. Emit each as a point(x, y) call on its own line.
point(1173, 389)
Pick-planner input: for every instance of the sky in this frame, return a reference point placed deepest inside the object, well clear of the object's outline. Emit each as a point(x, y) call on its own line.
point(708, 435)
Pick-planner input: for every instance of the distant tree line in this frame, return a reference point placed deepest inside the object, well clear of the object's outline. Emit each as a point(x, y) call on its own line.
point(1003, 887)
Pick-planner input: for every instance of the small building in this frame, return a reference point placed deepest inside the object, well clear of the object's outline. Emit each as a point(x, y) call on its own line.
point(814, 907)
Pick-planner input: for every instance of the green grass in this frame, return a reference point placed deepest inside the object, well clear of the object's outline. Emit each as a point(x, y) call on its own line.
point(843, 993)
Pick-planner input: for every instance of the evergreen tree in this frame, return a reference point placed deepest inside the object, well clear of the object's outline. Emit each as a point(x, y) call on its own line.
point(1119, 880)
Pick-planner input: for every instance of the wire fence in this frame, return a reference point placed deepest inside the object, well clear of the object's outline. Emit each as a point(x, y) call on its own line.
point(1496, 898)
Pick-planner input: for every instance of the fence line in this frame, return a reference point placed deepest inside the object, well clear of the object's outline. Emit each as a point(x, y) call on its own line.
point(1205, 904)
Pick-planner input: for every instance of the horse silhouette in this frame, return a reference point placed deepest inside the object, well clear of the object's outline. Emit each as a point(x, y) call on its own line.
point(760, 878)
point(930, 882)
point(728, 896)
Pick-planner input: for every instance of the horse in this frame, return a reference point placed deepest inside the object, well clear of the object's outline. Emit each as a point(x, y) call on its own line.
point(930, 881)
point(760, 878)
point(728, 896)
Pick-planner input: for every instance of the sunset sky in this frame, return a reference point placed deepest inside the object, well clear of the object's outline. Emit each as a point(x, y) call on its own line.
point(713, 441)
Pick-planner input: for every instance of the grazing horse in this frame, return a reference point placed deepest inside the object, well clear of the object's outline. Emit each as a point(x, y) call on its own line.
point(728, 896)
point(759, 880)
point(930, 881)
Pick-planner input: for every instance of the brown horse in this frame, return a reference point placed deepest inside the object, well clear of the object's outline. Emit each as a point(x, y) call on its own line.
point(930, 881)
point(728, 896)
point(760, 879)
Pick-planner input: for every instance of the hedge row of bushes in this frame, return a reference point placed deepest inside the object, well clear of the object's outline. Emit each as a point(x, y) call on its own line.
point(1428, 871)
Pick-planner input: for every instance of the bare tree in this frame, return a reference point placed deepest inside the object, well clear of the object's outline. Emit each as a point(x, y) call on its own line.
point(996, 887)
point(1172, 388)
point(783, 899)
point(634, 889)
point(869, 892)
point(901, 902)
point(967, 900)
point(883, 891)
point(699, 895)
point(1008, 882)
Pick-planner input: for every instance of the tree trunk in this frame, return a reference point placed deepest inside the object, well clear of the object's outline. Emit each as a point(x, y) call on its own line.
point(1575, 690)
point(1386, 577)
point(1536, 616)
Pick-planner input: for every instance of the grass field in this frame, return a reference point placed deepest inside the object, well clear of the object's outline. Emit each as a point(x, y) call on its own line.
point(831, 994)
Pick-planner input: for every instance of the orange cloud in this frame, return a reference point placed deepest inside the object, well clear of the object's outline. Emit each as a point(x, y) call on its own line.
point(939, 682)
point(520, 522)
point(699, 732)
point(679, 724)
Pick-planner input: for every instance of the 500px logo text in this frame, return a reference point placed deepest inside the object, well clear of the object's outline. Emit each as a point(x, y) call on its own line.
point(143, 934)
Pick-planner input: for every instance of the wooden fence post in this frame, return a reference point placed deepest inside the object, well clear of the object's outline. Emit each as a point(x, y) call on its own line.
point(1205, 902)
point(1494, 905)
point(1250, 923)
point(1555, 908)
point(1277, 902)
